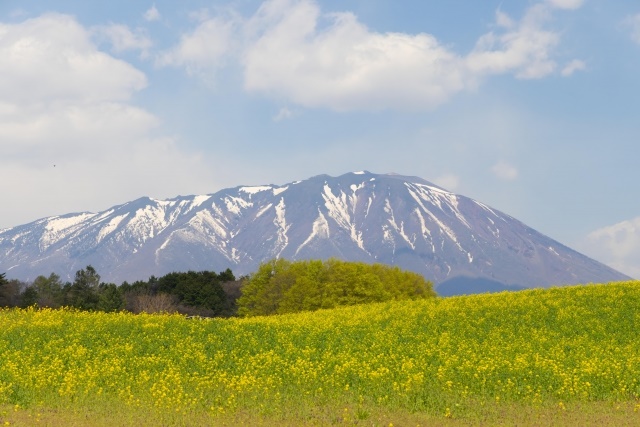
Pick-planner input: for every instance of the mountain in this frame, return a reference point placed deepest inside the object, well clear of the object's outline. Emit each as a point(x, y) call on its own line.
point(460, 244)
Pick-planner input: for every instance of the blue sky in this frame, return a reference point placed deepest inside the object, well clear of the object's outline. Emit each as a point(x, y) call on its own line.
point(528, 106)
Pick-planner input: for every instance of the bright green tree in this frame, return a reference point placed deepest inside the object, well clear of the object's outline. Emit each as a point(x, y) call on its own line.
point(281, 286)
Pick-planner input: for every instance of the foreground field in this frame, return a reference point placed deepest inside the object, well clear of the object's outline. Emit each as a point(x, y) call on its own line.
point(561, 356)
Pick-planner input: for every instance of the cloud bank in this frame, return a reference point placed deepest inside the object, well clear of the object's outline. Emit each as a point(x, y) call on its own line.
point(617, 245)
point(291, 51)
point(66, 103)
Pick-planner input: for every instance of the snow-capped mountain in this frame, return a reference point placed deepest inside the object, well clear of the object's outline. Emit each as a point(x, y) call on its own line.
point(361, 216)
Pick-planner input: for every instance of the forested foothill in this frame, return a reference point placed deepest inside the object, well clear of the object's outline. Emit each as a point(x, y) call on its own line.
point(278, 286)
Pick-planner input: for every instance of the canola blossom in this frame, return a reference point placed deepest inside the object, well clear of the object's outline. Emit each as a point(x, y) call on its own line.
point(558, 345)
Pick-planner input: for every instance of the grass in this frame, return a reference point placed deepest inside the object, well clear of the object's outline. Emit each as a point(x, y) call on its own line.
point(563, 356)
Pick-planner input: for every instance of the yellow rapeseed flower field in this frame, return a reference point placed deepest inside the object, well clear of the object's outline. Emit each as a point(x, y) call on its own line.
point(440, 356)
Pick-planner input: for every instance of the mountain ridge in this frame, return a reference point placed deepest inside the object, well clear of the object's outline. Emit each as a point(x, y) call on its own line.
point(358, 216)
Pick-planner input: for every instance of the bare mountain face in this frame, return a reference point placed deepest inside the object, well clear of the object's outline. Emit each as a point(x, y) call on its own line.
point(458, 243)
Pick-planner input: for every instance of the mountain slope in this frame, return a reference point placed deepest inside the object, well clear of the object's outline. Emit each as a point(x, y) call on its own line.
point(360, 216)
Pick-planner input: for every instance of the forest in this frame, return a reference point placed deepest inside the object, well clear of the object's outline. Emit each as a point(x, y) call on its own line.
point(278, 286)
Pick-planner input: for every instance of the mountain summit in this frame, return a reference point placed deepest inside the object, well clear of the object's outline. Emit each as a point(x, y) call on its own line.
point(359, 216)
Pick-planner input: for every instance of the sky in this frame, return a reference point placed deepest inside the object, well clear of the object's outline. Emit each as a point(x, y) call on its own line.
point(528, 106)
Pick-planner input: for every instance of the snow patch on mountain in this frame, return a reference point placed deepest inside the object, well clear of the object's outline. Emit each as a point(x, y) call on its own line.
point(110, 227)
point(281, 222)
point(340, 209)
point(399, 229)
point(256, 189)
point(236, 205)
point(58, 224)
point(277, 191)
point(263, 210)
point(319, 230)
point(199, 201)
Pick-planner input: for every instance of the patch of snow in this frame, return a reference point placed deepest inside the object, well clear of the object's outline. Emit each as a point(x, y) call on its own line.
point(551, 249)
point(149, 222)
point(443, 227)
point(339, 208)
point(234, 255)
point(205, 221)
point(359, 173)
point(199, 200)
point(487, 208)
point(387, 236)
point(256, 189)
point(423, 228)
point(470, 257)
point(217, 210)
point(281, 222)
point(438, 197)
point(57, 224)
point(368, 206)
point(399, 229)
point(319, 229)
point(57, 228)
point(263, 210)
point(110, 227)
point(236, 204)
point(162, 246)
point(355, 188)
point(277, 191)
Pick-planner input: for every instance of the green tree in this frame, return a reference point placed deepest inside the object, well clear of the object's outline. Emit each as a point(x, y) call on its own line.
point(110, 298)
point(5, 297)
point(83, 292)
point(197, 292)
point(262, 292)
point(10, 291)
point(29, 297)
point(49, 290)
point(281, 286)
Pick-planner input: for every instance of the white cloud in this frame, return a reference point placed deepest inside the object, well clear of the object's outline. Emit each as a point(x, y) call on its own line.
point(52, 58)
point(524, 49)
point(152, 14)
point(293, 52)
point(123, 39)
point(448, 181)
point(572, 67)
point(566, 4)
point(633, 23)
point(283, 114)
point(204, 50)
point(617, 245)
point(346, 66)
point(505, 171)
point(64, 102)
point(504, 20)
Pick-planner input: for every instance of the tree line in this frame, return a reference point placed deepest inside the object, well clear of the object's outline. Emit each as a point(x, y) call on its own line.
point(278, 286)
point(203, 293)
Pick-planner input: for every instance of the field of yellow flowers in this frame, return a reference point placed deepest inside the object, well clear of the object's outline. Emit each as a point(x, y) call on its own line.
point(444, 357)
